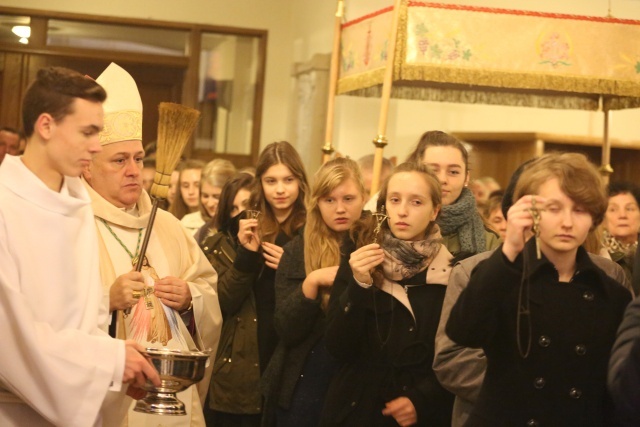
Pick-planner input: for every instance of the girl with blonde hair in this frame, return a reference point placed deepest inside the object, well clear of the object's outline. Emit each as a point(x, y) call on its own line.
point(300, 370)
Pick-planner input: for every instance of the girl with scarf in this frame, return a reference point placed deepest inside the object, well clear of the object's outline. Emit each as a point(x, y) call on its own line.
point(384, 311)
point(463, 231)
point(298, 375)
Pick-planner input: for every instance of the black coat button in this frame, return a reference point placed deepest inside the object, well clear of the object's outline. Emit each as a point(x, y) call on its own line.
point(588, 296)
point(575, 393)
point(544, 341)
point(532, 423)
point(581, 349)
point(539, 383)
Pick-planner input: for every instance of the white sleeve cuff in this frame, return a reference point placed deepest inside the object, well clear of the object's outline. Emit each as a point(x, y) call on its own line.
point(363, 285)
point(116, 380)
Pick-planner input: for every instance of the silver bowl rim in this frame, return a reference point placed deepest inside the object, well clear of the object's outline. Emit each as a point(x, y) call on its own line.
point(169, 352)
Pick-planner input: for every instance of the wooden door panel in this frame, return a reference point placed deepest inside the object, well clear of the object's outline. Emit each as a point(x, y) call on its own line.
point(12, 83)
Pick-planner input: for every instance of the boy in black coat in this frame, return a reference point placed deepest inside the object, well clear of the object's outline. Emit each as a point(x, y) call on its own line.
point(546, 323)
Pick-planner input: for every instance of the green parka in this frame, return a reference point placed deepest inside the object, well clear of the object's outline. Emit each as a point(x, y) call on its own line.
point(236, 370)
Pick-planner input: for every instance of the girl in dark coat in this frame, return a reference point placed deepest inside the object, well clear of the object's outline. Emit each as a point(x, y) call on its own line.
point(300, 369)
point(221, 250)
point(546, 323)
point(384, 311)
point(246, 292)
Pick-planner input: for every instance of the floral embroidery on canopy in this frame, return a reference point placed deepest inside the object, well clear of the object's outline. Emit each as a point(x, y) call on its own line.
point(555, 49)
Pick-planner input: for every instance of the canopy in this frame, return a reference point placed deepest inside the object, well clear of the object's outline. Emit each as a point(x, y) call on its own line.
point(470, 54)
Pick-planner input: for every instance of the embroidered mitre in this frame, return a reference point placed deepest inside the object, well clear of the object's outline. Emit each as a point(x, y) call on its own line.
point(123, 107)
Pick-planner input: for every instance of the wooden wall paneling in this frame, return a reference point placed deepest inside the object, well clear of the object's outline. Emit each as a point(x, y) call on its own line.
point(499, 154)
point(498, 158)
point(593, 153)
point(38, 26)
point(2, 58)
point(156, 84)
point(510, 155)
point(624, 162)
point(190, 83)
point(12, 90)
point(484, 158)
point(259, 97)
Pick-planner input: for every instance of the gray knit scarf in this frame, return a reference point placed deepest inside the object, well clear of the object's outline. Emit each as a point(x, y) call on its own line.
point(462, 217)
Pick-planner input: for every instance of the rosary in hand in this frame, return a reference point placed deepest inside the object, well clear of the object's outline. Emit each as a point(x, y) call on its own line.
point(535, 215)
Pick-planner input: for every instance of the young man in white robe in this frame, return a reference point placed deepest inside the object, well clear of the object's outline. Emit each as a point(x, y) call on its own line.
point(56, 364)
point(173, 302)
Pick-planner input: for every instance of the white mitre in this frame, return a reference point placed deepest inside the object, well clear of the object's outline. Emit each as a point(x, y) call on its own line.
point(123, 107)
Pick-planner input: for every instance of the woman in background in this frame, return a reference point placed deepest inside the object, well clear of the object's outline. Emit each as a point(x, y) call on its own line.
point(214, 175)
point(622, 224)
point(298, 375)
point(187, 195)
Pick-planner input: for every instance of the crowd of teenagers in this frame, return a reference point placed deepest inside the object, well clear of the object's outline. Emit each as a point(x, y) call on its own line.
point(432, 303)
point(414, 308)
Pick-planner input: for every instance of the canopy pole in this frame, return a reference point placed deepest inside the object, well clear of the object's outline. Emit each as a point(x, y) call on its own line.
point(605, 169)
point(380, 141)
point(327, 148)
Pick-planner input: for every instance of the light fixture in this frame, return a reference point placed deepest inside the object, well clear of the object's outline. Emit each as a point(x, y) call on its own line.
point(23, 31)
point(23, 40)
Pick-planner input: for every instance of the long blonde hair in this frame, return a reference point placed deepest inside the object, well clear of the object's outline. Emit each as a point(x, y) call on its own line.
point(321, 243)
point(273, 154)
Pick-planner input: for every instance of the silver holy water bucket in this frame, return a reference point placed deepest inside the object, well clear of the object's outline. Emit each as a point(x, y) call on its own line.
point(178, 370)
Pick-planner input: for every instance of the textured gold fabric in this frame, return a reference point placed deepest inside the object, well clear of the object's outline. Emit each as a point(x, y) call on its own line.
point(122, 125)
point(495, 56)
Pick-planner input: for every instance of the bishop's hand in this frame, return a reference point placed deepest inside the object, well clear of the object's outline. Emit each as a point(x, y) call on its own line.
point(126, 290)
point(173, 292)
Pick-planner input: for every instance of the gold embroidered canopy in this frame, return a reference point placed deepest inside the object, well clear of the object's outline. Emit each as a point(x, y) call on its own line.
point(467, 54)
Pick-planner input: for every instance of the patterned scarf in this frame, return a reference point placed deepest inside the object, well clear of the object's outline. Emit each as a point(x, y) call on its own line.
point(404, 259)
point(462, 217)
point(613, 245)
